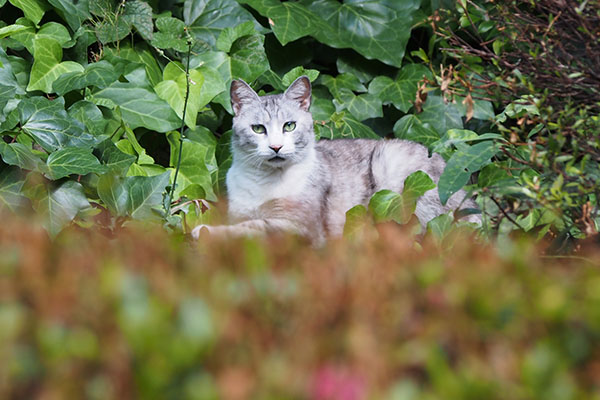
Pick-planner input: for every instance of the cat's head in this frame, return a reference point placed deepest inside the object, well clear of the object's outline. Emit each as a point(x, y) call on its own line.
point(272, 131)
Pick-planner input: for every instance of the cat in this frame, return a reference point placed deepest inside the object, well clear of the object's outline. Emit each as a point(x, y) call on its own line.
point(282, 179)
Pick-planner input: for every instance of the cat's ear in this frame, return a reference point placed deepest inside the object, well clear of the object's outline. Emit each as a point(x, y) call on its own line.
point(241, 94)
point(299, 91)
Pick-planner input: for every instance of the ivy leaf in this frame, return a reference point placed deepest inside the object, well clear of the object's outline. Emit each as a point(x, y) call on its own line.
point(50, 126)
point(114, 159)
point(7, 74)
point(410, 127)
point(207, 18)
point(11, 185)
point(170, 34)
point(139, 107)
point(356, 219)
point(340, 83)
point(198, 165)
point(440, 226)
point(440, 115)
point(229, 35)
point(387, 205)
point(99, 74)
point(58, 205)
point(362, 107)
point(343, 125)
point(133, 196)
point(140, 54)
point(173, 90)
point(47, 65)
point(74, 12)
point(377, 29)
point(19, 155)
point(400, 92)
point(288, 20)
point(461, 165)
point(90, 115)
point(33, 9)
point(139, 14)
point(112, 30)
point(296, 73)
point(72, 161)
point(6, 93)
point(11, 30)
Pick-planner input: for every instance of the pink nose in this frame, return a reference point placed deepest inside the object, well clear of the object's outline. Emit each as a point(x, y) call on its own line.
point(275, 147)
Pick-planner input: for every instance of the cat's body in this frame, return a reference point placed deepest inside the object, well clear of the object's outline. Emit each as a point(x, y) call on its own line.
point(281, 180)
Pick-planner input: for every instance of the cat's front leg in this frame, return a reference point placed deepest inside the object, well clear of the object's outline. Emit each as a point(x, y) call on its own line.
point(255, 227)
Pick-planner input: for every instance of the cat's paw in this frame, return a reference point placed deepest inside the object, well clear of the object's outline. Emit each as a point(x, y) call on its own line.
point(219, 231)
point(201, 230)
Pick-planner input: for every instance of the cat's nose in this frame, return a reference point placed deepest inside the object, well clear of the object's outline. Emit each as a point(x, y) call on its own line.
point(275, 147)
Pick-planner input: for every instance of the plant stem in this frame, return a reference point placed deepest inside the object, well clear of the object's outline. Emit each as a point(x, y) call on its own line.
point(181, 134)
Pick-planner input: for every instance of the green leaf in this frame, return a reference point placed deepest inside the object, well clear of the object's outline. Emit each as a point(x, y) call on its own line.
point(440, 115)
point(74, 12)
point(99, 74)
point(139, 107)
point(112, 30)
point(133, 196)
point(170, 35)
point(386, 205)
point(415, 186)
point(410, 127)
point(19, 155)
point(139, 14)
point(173, 90)
point(114, 159)
point(33, 9)
point(461, 165)
point(377, 29)
point(343, 125)
point(229, 35)
point(50, 126)
point(47, 65)
point(7, 74)
point(197, 173)
point(11, 195)
point(72, 160)
point(362, 107)
point(207, 18)
point(58, 205)
point(402, 91)
point(90, 115)
point(11, 30)
point(341, 83)
point(140, 54)
point(356, 219)
point(7, 93)
point(440, 226)
point(247, 64)
point(296, 73)
point(288, 20)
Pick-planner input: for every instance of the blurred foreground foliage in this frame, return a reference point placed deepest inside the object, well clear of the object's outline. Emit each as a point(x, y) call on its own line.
point(143, 314)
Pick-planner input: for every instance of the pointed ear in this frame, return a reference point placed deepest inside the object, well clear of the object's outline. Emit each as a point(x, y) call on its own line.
point(299, 91)
point(241, 94)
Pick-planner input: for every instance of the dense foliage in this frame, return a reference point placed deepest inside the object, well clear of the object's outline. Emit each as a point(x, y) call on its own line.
point(93, 94)
point(143, 316)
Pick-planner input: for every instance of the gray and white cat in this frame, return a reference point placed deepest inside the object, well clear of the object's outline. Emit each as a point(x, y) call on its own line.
point(281, 179)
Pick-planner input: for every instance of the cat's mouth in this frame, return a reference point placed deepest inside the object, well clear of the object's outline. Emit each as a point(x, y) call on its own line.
point(276, 159)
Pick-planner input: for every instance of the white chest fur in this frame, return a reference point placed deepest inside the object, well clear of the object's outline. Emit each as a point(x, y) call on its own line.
point(248, 188)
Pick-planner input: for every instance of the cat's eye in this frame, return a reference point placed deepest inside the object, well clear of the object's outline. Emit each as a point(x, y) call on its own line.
point(289, 126)
point(259, 129)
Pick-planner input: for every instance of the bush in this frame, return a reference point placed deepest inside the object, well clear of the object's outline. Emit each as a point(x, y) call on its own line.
point(144, 315)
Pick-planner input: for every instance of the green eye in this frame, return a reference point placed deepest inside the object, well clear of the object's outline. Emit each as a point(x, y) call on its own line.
point(259, 129)
point(289, 126)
